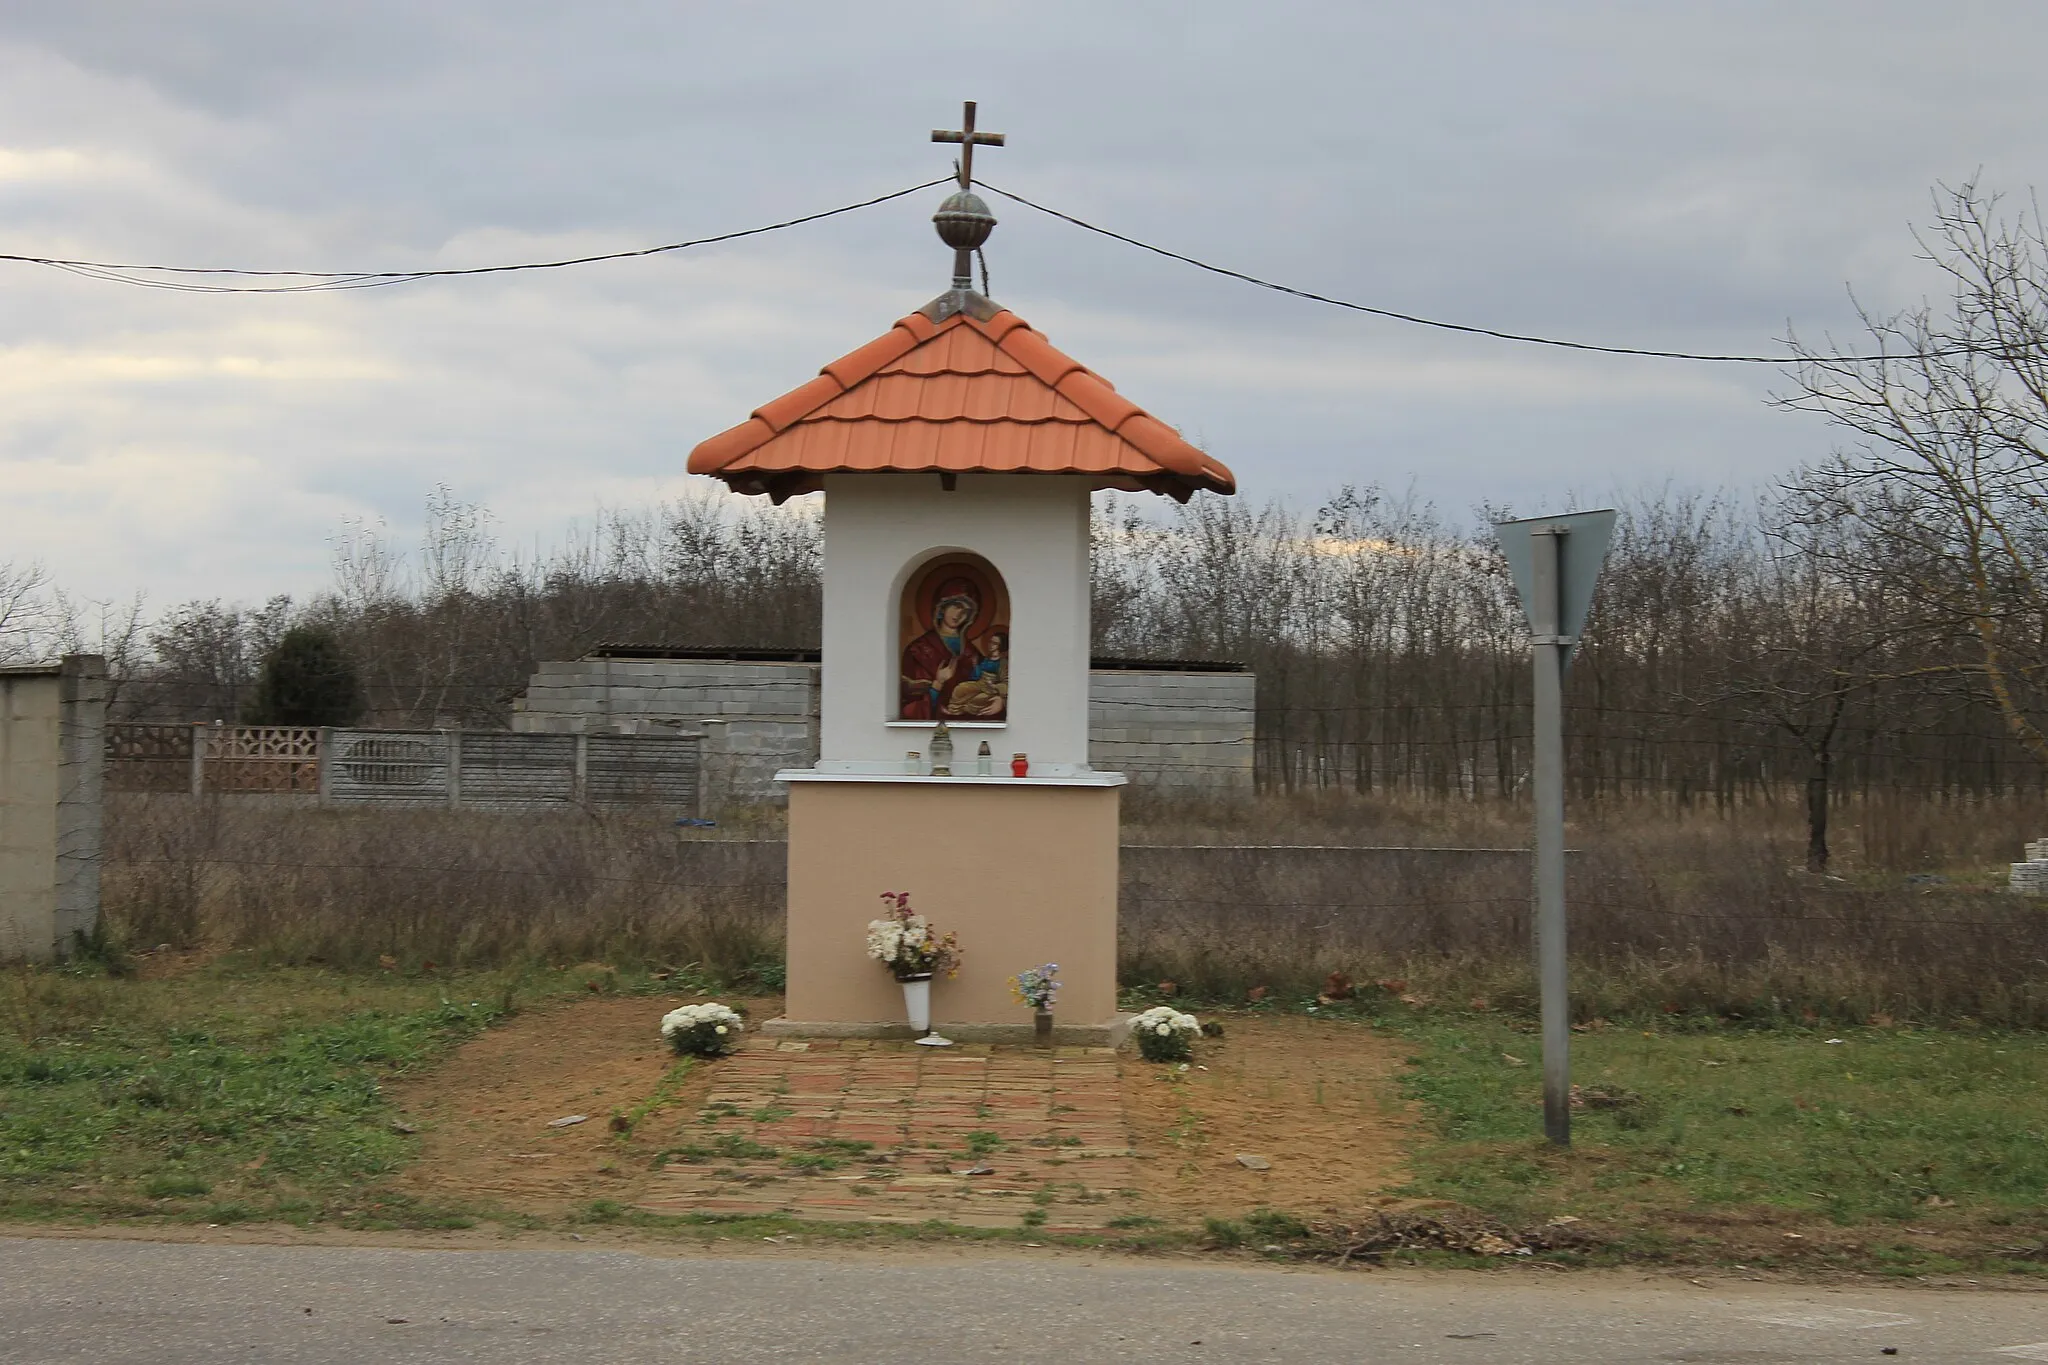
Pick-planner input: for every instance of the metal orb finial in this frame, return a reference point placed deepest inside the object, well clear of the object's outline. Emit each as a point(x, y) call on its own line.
point(964, 221)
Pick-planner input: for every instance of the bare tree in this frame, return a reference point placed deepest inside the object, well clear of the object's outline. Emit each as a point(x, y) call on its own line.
point(1800, 645)
point(206, 655)
point(116, 631)
point(1944, 477)
point(24, 611)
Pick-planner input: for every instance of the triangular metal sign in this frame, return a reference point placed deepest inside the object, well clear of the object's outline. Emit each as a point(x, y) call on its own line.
point(1582, 539)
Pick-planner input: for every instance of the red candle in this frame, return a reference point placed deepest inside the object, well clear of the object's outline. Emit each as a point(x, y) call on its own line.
point(1019, 765)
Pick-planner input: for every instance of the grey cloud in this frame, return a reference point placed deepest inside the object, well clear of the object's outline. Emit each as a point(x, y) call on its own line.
point(1689, 177)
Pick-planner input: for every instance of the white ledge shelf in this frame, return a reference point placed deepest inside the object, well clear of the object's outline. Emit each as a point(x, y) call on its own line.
point(951, 724)
point(1071, 780)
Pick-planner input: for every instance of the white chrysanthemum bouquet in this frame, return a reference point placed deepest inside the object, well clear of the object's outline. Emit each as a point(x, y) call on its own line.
point(707, 1030)
point(1164, 1034)
point(905, 942)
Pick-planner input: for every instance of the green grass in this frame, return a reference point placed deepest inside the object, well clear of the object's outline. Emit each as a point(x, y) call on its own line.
point(813, 1161)
point(725, 1147)
point(843, 1146)
point(238, 1092)
point(225, 1094)
point(1946, 1130)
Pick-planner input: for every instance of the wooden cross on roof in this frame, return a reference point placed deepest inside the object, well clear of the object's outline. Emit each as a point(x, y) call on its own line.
point(968, 140)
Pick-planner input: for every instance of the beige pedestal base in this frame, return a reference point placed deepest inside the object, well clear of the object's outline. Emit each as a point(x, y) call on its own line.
point(1024, 873)
point(1111, 1034)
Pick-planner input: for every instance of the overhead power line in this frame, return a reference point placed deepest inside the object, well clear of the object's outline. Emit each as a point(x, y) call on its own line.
point(1467, 328)
point(206, 280)
point(312, 281)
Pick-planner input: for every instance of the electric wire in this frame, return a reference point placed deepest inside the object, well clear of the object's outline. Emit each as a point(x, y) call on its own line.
point(325, 281)
point(1468, 329)
point(315, 281)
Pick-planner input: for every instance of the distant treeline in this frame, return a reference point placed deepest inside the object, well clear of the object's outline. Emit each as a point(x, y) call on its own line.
point(1731, 655)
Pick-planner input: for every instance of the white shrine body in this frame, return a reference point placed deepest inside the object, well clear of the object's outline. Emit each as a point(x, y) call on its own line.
point(956, 455)
point(880, 530)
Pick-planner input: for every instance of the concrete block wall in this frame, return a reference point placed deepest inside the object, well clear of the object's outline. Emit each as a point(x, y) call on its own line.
point(1177, 731)
point(2030, 878)
point(594, 694)
point(1168, 728)
point(742, 756)
point(52, 754)
point(756, 717)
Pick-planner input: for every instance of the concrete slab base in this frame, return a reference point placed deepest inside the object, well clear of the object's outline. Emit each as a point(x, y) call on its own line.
point(1109, 1034)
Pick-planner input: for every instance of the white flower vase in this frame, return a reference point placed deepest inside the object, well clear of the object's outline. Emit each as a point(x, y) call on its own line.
point(917, 1002)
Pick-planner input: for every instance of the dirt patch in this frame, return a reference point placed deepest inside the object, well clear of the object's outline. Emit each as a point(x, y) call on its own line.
point(484, 1113)
point(1313, 1099)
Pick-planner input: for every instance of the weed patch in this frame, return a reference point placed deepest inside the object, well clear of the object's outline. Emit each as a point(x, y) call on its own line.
point(261, 1091)
point(1903, 1147)
point(725, 1147)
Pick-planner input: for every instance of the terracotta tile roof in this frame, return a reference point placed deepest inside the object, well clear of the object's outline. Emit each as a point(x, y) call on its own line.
point(970, 391)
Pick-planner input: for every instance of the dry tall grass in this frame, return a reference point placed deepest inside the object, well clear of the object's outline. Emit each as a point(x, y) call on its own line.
point(1705, 914)
point(458, 888)
point(1692, 913)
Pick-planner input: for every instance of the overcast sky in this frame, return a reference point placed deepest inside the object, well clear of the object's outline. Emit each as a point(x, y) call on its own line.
point(1687, 176)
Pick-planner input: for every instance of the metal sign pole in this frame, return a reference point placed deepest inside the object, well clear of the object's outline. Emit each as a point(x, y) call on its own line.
point(1546, 563)
point(1555, 562)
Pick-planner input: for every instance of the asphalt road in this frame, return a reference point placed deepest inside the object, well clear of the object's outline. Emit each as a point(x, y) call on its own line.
point(116, 1301)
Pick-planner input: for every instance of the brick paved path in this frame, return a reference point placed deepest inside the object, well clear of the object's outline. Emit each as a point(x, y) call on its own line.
point(856, 1131)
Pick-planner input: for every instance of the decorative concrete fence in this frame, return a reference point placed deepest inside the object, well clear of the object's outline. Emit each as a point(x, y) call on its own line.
point(51, 719)
point(493, 770)
point(465, 769)
point(2030, 878)
point(216, 758)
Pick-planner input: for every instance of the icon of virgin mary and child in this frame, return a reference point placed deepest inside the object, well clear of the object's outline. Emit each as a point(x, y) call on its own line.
point(949, 674)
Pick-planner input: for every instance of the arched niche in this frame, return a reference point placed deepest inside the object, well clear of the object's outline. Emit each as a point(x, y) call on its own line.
point(953, 641)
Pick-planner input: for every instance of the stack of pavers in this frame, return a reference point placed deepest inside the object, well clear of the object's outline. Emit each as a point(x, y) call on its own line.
point(2030, 878)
